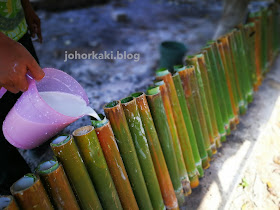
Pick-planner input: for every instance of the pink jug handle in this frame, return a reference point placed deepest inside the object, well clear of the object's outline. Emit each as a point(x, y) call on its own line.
point(2, 92)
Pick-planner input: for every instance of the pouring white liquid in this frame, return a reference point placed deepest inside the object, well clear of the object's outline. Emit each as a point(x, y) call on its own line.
point(68, 104)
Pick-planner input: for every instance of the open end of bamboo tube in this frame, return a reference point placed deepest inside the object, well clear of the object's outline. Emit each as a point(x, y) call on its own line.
point(153, 90)
point(138, 94)
point(47, 167)
point(179, 68)
point(23, 183)
point(60, 140)
point(159, 83)
point(83, 130)
point(102, 122)
point(211, 42)
point(5, 201)
point(126, 100)
point(111, 104)
point(161, 72)
point(190, 56)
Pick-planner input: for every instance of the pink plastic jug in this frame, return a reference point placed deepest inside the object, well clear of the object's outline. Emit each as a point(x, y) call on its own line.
point(32, 121)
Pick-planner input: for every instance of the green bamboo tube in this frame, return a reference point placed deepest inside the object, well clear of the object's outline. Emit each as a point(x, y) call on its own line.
point(264, 40)
point(276, 28)
point(241, 96)
point(160, 120)
point(116, 115)
point(115, 164)
point(256, 20)
point(249, 82)
point(201, 105)
point(212, 123)
point(240, 71)
point(56, 183)
point(229, 91)
point(274, 9)
point(164, 180)
point(66, 151)
point(142, 149)
point(183, 103)
point(91, 152)
point(7, 202)
point(245, 78)
point(221, 71)
point(269, 38)
point(175, 138)
point(250, 31)
point(30, 193)
point(215, 114)
point(165, 75)
point(219, 80)
point(224, 52)
point(189, 93)
point(232, 75)
point(216, 89)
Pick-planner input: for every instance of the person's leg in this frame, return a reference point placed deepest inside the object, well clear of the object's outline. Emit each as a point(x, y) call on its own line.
point(234, 13)
point(12, 163)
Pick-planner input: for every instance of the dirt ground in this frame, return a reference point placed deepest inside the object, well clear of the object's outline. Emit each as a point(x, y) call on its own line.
point(147, 23)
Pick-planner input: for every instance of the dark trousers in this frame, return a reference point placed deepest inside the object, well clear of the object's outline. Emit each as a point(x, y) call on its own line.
point(12, 165)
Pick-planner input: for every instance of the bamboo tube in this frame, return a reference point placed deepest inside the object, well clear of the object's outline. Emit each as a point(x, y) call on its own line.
point(159, 116)
point(256, 50)
point(233, 114)
point(116, 115)
point(92, 155)
point(56, 183)
point(183, 103)
point(214, 134)
point(265, 39)
point(200, 104)
point(30, 193)
point(194, 60)
point(165, 75)
point(246, 45)
point(256, 18)
point(250, 31)
point(225, 55)
point(215, 114)
point(220, 73)
point(167, 190)
point(142, 149)
point(216, 88)
point(66, 151)
point(232, 75)
point(242, 103)
point(7, 202)
point(190, 93)
point(115, 164)
point(175, 138)
point(240, 69)
point(244, 53)
point(269, 38)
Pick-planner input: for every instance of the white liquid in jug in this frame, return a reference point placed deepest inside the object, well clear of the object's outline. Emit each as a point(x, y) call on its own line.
point(68, 104)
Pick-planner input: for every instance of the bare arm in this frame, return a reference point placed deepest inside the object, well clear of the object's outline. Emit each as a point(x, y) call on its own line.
point(15, 62)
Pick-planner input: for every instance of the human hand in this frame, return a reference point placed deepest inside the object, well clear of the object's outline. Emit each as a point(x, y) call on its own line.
point(15, 62)
point(32, 20)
